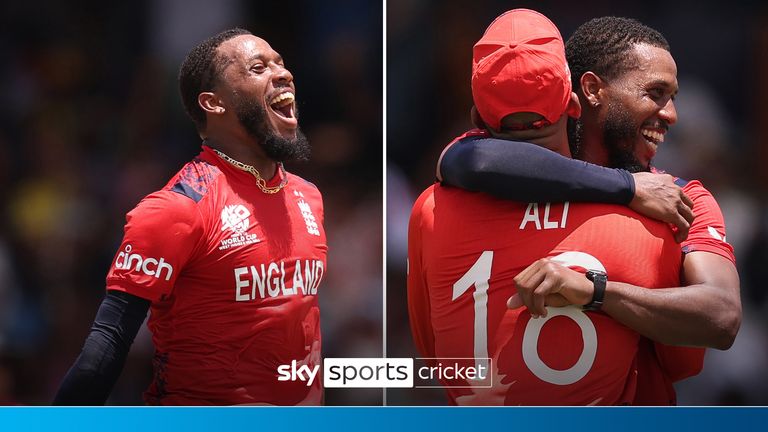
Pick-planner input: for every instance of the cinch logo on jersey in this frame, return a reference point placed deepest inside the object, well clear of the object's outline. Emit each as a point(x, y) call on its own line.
point(149, 266)
point(268, 280)
point(235, 219)
point(306, 212)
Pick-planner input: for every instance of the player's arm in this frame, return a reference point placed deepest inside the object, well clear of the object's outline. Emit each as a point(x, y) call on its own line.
point(90, 380)
point(706, 312)
point(165, 227)
point(525, 172)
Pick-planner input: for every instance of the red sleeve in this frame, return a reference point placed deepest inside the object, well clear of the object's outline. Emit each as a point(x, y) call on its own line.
point(159, 238)
point(707, 232)
point(418, 294)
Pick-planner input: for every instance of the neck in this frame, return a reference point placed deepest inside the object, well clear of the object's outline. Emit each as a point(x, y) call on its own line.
point(246, 151)
point(592, 146)
point(553, 137)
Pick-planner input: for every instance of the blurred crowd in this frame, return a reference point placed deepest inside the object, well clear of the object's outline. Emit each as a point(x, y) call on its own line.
point(91, 121)
point(721, 50)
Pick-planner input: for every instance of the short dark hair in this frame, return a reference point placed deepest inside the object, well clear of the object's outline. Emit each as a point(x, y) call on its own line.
point(602, 45)
point(200, 70)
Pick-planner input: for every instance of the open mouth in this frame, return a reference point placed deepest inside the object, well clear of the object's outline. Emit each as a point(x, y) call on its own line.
point(282, 105)
point(653, 137)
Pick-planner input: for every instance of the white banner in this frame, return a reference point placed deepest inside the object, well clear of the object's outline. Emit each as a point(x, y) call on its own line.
point(368, 372)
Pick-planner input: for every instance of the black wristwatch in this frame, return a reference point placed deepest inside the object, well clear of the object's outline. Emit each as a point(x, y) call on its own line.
point(600, 280)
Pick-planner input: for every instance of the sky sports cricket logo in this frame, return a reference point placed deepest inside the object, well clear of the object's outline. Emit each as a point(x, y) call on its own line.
point(393, 373)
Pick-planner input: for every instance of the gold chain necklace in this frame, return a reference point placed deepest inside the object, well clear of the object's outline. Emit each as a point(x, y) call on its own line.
point(260, 182)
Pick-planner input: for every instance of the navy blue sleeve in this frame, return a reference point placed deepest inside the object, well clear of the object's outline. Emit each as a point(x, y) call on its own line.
point(90, 380)
point(522, 171)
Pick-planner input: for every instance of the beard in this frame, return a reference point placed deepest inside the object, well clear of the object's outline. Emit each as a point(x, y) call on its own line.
point(619, 135)
point(575, 128)
point(253, 117)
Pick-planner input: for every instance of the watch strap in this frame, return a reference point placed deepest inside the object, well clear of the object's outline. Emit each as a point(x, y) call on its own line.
point(600, 280)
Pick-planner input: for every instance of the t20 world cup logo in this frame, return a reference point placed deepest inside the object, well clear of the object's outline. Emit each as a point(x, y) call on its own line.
point(235, 218)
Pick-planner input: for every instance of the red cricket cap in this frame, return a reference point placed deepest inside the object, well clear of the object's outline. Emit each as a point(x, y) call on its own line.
point(519, 66)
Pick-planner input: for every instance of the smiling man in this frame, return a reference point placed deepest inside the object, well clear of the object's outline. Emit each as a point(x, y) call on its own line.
point(467, 252)
point(228, 255)
point(626, 80)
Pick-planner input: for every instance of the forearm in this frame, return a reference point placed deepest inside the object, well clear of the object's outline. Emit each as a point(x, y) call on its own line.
point(705, 312)
point(522, 171)
point(90, 380)
point(695, 315)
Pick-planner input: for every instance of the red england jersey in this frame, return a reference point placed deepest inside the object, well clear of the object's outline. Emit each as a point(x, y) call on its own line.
point(660, 365)
point(233, 276)
point(464, 251)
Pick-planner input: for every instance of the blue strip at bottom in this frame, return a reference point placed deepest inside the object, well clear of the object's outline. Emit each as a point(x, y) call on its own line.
point(141, 419)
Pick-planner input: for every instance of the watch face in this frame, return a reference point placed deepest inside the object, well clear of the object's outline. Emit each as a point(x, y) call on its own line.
point(592, 273)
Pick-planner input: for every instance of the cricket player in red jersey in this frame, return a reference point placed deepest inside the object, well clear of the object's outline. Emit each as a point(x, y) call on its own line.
point(467, 250)
point(626, 80)
point(229, 255)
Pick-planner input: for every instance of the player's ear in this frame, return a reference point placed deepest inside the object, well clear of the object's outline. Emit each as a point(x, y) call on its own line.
point(476, 120)
point(574, 106)
point(591, 86)
point(211, 103)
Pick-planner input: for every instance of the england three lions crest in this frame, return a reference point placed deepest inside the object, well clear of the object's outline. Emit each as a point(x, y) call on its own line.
point(306, 213)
